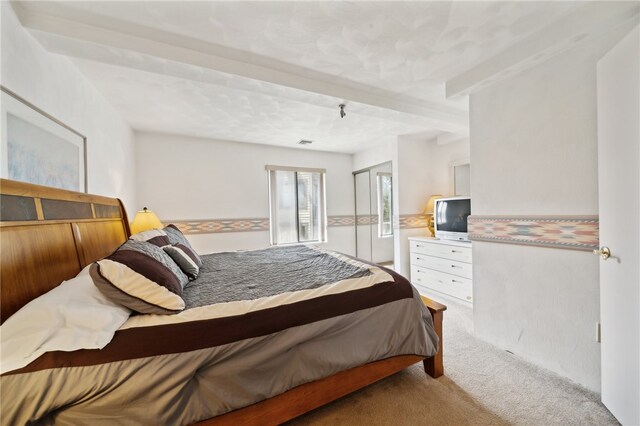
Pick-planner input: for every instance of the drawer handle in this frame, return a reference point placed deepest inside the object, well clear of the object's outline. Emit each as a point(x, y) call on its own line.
point(419, 279)
point(454, 266)
point(418, 258)
point(456, 281)
point(454, 251)
point(468, 297)
point(418, 245)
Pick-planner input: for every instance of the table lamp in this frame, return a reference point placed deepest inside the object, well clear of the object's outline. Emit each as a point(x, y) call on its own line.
point(429, 212)
point(145, 219)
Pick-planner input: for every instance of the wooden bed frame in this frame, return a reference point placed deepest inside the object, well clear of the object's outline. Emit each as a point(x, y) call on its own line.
point(49, 235)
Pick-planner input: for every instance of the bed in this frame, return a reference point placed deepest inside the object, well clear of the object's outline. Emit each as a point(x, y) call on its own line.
point(50, 235)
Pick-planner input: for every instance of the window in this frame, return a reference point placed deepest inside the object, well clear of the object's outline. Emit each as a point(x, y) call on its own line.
point(297, 205)
point(385, 211)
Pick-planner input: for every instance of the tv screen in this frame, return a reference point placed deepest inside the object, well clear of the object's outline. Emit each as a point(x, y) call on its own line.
point(451, 214)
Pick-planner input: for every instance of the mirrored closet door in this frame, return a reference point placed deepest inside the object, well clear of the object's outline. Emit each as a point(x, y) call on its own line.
point(374, 214)
point(363, 215)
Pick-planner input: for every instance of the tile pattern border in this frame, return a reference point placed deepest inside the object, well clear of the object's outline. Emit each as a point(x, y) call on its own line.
point(567, 232)
point(346, 220)
point(408, 221)
point(215, 226)
point(365, 219)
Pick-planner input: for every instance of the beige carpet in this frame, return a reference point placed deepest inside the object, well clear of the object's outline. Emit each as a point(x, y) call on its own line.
point(482, 386)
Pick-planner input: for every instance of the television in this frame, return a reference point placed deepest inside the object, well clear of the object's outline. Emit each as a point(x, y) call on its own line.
point(450, 218)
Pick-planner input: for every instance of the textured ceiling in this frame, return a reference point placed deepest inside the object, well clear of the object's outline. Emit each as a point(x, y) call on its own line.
point(397, 51)
point(403, 47)
point(155, 102)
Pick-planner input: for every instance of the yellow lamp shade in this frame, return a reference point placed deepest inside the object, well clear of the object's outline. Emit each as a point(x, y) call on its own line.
point(145, 219)
point(431, 204)
point(429, 212)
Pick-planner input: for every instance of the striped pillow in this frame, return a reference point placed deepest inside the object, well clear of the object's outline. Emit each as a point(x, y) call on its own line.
point(186, 259)
point(142, 277)
point(177, 237)
point(154, 236)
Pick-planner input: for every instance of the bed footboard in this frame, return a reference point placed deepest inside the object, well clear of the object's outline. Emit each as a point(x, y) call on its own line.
point(309, 396)
point(434, 366)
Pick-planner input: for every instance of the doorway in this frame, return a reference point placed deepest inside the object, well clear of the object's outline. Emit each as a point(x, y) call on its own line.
point(374, 214)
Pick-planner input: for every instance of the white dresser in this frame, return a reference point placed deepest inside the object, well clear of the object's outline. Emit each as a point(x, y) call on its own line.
point(442, 266)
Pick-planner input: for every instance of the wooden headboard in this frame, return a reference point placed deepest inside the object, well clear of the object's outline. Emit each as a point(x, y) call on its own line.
point(48, 235)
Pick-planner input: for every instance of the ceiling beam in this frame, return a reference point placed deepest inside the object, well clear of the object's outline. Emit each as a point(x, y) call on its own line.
point(66, 23)
point(80, 50)
point(587, 20)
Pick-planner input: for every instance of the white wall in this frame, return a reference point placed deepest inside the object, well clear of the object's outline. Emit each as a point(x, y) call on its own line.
point(424, 169)
point(534, 152)
point(185, 178)
point(375, 155)
point(54, 84)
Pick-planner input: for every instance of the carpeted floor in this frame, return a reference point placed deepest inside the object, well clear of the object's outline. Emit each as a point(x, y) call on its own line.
point(482, 386)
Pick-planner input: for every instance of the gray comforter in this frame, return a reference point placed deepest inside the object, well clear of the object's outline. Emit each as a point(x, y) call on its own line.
point(214, 358)
point(249, 275)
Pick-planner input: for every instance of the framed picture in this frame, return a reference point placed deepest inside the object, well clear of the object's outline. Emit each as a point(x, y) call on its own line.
point(37, 148)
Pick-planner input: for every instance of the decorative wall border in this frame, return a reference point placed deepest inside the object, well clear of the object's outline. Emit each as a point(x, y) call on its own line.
point(567, 232)
point(217, 226)
point(367, 219)
point(347, 220)
point(409, 221)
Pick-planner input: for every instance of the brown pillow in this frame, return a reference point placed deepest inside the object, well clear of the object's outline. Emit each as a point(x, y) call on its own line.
point(142, 277)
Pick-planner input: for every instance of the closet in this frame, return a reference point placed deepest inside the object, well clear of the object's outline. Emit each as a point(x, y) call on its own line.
point(374, 214)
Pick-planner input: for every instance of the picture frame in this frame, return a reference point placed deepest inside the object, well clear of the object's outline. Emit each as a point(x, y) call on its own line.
point(35, 147)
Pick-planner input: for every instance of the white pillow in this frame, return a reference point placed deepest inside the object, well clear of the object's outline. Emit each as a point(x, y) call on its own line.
point(75, 315)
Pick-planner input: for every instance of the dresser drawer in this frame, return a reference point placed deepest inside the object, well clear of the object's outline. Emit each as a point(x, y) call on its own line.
point(460, 254)
point(447, 266)
point(453, 286)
